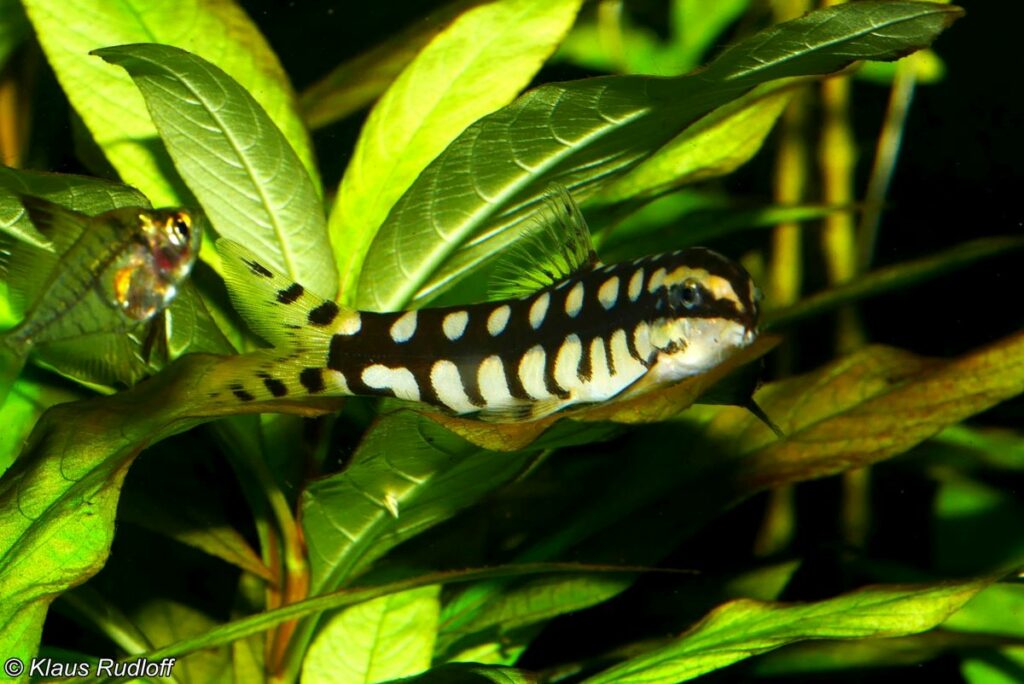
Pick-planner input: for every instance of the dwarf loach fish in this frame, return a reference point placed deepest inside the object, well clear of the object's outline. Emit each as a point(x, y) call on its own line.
point(571, 331)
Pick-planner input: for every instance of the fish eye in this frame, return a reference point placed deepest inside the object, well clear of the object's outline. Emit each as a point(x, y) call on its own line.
point(688, 294)
point(182, 227)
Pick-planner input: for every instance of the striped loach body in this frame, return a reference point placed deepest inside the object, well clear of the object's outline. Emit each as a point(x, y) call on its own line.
point(596, 334)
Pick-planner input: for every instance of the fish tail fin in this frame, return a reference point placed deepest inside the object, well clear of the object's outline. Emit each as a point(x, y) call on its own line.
point(298, 323)
point(275, 307)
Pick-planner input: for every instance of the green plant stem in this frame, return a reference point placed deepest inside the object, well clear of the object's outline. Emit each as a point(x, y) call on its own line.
point(900, 96)
point(785, 274)
point(890, 278)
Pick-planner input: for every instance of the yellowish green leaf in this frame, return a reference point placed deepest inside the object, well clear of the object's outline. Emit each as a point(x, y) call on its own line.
point(477, 64)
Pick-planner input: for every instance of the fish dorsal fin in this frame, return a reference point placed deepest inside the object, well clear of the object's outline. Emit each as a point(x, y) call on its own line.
point(30, 266)
point(58, 224)
point(558, 247)
point(274, 306)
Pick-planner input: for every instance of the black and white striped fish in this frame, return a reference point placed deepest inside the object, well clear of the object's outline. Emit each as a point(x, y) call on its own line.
point(590, 333)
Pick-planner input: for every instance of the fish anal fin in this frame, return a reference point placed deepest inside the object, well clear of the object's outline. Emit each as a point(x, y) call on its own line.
point(557, 246)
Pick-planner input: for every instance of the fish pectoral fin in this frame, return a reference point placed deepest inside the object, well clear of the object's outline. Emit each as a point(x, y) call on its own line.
point(274, 306)
point(558, 246)
point(522, 413)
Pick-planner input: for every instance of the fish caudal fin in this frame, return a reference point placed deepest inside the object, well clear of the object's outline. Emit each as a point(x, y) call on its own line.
point(298, 323)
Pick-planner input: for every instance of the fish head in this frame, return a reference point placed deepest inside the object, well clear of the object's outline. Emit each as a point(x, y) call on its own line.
point(174, 237)
point(706, 310)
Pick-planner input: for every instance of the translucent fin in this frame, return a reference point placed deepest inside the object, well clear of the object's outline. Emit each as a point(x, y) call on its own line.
point(557, 248)
point(522, 413)
point(28, 266)
point(60, 225)
point(275, 307)
point(102, 361)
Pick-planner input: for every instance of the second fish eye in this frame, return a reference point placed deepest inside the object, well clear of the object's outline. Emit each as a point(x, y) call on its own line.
point(689, 293)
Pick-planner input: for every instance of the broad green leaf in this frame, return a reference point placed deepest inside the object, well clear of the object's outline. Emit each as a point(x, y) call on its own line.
point(714, 146)
point(166, 621)
point(745, 628)
point(110, 105)
point(476, 65)
point(255, 624)
point(1004, 667)
point(242, 169)
point(359, 81)
point(820, 658)
point(473, 621)
point(586, 133)
point(994, 448)
point(996, 610)
point(386, 638)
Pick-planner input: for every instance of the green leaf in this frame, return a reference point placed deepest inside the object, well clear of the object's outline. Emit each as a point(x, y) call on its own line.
point(407, 475)
point(714, 146)
point(866, 407)
point(975, 527)
point(359, 81)
point(586, 133)
point(477, 64)
point(108, 102)
point(27, 400)
point(250, 182)
point(386, 638)
point(464, 673)
point(745, 628)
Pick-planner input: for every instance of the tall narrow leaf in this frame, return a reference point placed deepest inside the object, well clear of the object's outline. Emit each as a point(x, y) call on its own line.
point(474, 66)
point(238, 164)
